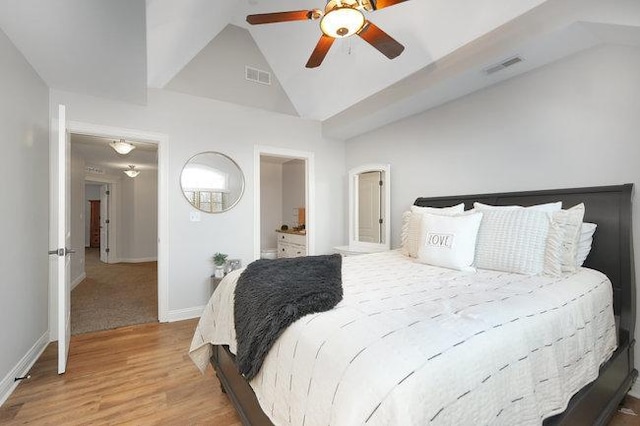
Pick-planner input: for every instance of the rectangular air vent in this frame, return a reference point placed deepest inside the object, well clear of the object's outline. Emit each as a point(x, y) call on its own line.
point(257, 76)
point(93, 169)
point(502, 65)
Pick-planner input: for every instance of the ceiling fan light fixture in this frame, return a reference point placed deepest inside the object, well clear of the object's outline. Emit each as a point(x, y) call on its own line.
point(122, 147)
point(131, 171)
point(342, 22)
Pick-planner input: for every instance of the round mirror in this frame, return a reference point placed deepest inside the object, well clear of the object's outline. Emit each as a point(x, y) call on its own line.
point(212, 182)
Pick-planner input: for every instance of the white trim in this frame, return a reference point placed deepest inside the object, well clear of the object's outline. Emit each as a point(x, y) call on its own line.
point(185, 314)
point(8, 384)
point(78, 280)
point(137, 260)
point(635, 390)
point(162, 140)
point(310, 192)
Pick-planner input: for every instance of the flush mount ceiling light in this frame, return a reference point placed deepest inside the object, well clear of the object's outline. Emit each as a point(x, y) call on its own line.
point(339, 19)
point(342, 22)
point(122, 147)
point(131, 171)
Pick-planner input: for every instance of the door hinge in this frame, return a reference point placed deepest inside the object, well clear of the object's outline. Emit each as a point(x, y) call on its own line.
point(106, 250)
point(107, 192)
point(380, 183)
point(106, 221)
point(380, 221)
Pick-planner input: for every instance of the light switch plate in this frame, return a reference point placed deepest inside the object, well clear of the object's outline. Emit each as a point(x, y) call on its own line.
point(194, 216)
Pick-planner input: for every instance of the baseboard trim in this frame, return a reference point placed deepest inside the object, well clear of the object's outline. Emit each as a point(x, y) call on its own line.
point(185, 314)
point(635, 390)
point(138, 260)
point(8, 384)
point(78, 280)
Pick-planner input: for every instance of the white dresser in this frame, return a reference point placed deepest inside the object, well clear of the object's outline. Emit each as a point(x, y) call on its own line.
point(291, 245)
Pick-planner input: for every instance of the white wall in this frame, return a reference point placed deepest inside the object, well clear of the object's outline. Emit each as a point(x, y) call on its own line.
point(270, 202)
point(24, 224)
point(194, 125)
point(573, 123)
point(293, 190)
point(91, 193)
point(137, 225)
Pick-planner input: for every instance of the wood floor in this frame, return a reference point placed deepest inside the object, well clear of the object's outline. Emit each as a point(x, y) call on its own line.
point(137, 375)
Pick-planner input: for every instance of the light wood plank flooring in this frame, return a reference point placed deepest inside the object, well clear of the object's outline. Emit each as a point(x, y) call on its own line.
point(138, 375)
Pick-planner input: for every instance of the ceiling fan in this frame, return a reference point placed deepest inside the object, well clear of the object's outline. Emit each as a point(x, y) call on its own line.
point(339, 19)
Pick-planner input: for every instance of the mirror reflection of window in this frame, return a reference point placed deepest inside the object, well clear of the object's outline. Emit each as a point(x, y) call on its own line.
point(370, 207)
point(212, 182)
point(205, 187)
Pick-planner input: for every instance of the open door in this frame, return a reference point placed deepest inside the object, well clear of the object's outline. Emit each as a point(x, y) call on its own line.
point(62, 240)
point(104, 223)
point(369, 204)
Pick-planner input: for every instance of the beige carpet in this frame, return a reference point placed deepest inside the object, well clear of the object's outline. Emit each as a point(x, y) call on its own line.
point(114, 295)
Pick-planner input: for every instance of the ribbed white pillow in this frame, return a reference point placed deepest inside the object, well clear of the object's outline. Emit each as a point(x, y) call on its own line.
point(584, 243)
point(547, 207)
point(512, 240)
point(411, 222)
point(449, 241)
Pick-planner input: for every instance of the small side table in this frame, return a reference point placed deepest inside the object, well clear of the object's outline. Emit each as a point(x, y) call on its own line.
point(214, 283)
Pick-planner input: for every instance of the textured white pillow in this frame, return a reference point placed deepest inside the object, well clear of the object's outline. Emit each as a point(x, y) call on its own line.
point(553, 250)
point(513, 240)
point(411, 222)
point(404, 233)
point(449, 241)
point(448, 211)
point(569, 224)
point(584, 243)
point(548, 207)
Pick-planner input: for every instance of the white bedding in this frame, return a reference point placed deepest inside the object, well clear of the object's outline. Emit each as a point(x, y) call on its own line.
point(413, 344)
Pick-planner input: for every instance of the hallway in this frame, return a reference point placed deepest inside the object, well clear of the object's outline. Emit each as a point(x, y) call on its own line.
point(114, 295)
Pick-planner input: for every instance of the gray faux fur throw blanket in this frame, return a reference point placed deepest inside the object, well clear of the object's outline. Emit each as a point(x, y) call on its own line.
point(270, 295)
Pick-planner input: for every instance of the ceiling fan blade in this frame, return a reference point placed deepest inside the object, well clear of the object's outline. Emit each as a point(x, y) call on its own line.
point(321, 50)
point(381, 4)
point(270, 18)
point(382, 41)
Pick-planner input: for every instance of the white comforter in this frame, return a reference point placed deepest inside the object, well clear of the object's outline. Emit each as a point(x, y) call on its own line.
point(412, 344)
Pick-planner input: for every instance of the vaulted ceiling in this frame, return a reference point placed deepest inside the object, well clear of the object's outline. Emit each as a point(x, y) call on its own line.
point(119, 48)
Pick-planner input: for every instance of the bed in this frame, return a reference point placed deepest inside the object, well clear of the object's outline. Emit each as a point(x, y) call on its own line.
point(599, 388)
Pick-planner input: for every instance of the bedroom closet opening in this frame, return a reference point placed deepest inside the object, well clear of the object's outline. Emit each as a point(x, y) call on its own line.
point(283, 206)
point(114, 222)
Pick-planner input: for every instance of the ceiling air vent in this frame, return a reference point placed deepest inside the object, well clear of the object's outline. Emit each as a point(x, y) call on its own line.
point(502, 65)
point(257, 76)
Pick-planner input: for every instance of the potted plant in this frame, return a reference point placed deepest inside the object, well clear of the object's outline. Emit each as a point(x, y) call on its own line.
point(219, 259)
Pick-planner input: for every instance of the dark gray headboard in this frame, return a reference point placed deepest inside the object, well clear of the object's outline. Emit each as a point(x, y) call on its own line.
point(612, 251)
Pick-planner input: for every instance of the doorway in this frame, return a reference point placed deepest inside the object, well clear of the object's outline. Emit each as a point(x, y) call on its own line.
point(116, 282)
point(284, 210)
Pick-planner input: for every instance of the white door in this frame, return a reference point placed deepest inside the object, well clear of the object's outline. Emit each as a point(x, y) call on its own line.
point(62, 240)
point(369, 203)
point(104, 223)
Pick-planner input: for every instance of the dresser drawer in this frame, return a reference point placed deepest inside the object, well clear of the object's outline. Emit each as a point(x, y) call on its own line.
point(292, 238)
point(286, 250)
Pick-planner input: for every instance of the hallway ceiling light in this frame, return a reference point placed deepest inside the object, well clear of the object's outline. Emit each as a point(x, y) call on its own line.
point(122, 147)
point(131, 171)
